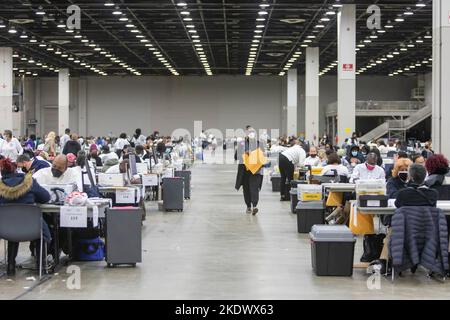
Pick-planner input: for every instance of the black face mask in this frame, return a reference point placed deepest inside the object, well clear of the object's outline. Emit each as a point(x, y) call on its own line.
point(313, 155)
point(403, 176)
point(57, 173)
point(24, 170)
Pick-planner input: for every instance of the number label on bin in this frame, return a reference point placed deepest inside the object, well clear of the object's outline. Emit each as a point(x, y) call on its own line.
point(73, 217)
point(125, 196)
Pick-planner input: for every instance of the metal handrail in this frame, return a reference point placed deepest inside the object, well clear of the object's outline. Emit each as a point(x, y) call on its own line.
point(381, 105)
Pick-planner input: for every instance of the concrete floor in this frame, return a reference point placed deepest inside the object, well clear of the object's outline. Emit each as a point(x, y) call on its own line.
point(213, 250)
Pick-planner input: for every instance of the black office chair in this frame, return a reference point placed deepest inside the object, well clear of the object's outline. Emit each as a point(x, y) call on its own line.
point(22, 223)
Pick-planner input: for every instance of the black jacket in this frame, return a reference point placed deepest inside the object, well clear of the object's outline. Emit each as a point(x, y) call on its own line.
point(71, 146)
point(393, 186)
point(416, 196)
point(419, 237)
point(242, 148)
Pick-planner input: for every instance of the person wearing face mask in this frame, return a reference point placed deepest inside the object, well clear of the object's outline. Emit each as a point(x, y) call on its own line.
point(28, 164)
point(313, 160)
point(399, 178)
point(368, 170)
point(355, 153)
point(59, 173)
point(251, 183)
point(287, 160)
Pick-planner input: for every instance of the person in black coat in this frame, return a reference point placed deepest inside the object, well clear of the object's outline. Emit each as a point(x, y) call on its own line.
point(251, 183)
point(20, 188)
point(72, 146)
point(416, 194)
point(399, 178)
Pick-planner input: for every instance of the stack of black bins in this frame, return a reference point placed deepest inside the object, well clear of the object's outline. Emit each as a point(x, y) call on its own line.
point(309, 213)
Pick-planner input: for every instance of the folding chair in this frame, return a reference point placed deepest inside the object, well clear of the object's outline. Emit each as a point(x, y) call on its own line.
point(22, 223)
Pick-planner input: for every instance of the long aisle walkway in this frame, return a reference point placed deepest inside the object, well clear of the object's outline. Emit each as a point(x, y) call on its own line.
point(214, 250)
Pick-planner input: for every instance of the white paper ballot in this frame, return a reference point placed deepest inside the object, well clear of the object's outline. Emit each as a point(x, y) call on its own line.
point(95, 216)
point(125, 195)
point(150, 180)
point(73, 217)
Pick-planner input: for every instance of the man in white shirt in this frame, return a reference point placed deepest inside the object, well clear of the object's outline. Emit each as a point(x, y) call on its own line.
point(313, 160)
point(288, 159)
point(107, 154)
point(64, 138)
point(368, 170)
point(59, 173)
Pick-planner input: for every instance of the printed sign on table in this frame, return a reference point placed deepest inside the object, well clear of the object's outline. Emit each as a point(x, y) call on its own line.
point(73, 217)
point(150, 180)
point(125, 196)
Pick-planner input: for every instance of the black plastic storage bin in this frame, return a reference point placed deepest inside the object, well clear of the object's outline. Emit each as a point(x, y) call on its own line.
point(373, 201)
point(295, 183)
point(294, 200)
point(309, 214)
point(332, 250)
point(276, 183)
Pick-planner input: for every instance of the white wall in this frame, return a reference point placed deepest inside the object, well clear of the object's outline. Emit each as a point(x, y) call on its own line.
point(116, 104)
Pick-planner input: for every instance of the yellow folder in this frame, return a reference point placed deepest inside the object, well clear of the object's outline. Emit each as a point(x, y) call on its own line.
point(254, 161)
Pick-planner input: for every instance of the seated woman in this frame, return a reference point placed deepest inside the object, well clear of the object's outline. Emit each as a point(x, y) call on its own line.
point(20, 188)
point(399, 178)
point(334, 163)
point(437, 167)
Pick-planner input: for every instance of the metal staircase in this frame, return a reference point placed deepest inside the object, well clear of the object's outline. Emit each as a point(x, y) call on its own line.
point(396, 129)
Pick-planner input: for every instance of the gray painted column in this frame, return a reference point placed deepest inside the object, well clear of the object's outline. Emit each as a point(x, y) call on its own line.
point(312, 96)
point(6, 89)
point(63, 100)
point(292, 103)
point(441, 77)
point(82, 107)
point(37, 107)
point(346, 72)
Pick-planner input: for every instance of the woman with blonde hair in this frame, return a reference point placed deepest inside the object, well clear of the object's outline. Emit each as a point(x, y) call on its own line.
point(50, 144)
point(399, 177)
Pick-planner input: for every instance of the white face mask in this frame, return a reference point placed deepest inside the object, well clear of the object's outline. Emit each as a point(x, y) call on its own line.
point(252, 135)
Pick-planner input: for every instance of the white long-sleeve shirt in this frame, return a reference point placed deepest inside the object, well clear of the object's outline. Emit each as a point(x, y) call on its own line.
point(120, 143)
point(295, 154)
point(313, 162)
point(10, 149)
point(71, 176)
point(341, 170)
point(63, 140)
point(360, 172)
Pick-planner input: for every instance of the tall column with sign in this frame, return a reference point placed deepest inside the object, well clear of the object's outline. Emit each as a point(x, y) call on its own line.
point(6, 88)
point(346, 72)
point(63, 100)
point(312, 96)
point(441, 77)
point(292, 102)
